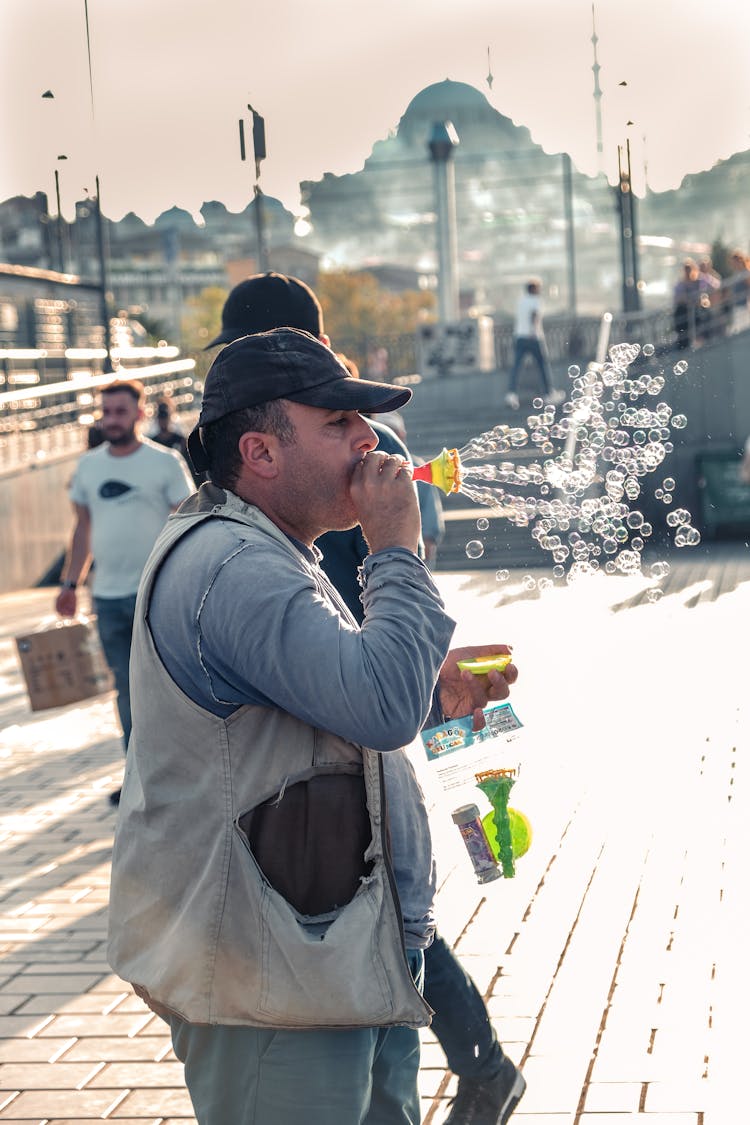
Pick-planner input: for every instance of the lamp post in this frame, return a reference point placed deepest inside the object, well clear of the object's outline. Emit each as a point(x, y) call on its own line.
point(62, 256)
point(101, 253)
point(626, 209)
point(442, 141)
point(259, 149)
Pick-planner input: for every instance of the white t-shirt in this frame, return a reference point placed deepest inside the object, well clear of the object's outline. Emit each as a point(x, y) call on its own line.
point(129, 499)
point(528, 304)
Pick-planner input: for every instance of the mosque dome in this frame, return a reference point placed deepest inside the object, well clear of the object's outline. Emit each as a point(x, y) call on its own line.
point(465, 106)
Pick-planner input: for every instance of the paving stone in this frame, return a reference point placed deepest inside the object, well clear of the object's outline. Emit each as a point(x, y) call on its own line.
point(116, 1048)
point(117, 1075)
point(41, 1076)
point(48, 1103)
point(31, 1050)
point(158, 1103)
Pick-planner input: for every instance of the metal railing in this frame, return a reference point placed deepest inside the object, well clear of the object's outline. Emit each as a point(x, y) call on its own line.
point(43, 423)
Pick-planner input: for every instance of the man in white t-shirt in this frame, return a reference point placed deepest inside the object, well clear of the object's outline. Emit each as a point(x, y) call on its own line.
point(529, 340)
point(122, 493)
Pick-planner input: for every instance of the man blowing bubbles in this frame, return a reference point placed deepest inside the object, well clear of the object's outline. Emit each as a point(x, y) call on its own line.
point(256, 901)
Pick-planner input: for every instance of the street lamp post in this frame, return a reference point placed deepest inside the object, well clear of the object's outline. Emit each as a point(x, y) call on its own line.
point(626, 208)
point(259, 149)
point(442, 141)
point(62, 256)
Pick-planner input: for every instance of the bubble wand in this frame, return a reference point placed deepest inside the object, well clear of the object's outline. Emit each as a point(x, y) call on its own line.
point(444, 471)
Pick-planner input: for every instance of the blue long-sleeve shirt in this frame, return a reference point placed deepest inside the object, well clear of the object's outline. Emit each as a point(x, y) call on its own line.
point(238, 623)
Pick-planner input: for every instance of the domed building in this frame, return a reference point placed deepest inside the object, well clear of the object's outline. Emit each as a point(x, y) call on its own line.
point(474, 119)
point(508, 191)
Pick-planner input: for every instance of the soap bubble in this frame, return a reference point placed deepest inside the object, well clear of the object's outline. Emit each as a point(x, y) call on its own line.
point(680, 367)
point(654, 594)
point(659, 569)
point(502, 575)
point(583, 468)
point(474, 549)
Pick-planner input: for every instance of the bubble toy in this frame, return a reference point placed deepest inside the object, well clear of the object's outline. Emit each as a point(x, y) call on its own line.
point(444, 471)
point(508, 836)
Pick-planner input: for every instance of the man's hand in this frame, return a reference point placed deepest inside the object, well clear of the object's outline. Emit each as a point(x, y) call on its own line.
point(464, 693)
point(386, 502)
point(66, 602)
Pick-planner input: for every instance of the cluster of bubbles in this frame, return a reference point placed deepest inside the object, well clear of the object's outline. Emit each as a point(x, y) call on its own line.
point(578, 492)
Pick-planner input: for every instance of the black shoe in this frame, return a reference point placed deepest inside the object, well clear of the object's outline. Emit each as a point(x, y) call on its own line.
point(487, 1103)
point(114, 798)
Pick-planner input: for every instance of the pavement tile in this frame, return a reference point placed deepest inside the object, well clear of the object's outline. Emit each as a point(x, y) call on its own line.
point(24, 1050)
point(42, 1076)
point(613, 1097)
point(49, 1103)
point(115, 1048)
point(96, 1026)
point(133, 1075)
point(63, 1003)
point(157, 1103)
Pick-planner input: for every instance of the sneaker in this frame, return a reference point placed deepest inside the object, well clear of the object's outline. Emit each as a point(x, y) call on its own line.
point(487, 1103)
point(511, 400)
point(114, 798)
point(554, 398)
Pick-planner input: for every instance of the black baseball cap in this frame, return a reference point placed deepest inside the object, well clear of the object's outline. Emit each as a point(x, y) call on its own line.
point(265, 301)
point(284, 363)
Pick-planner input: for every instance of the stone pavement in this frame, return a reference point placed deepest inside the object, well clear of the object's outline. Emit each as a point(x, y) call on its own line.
point(614, 964)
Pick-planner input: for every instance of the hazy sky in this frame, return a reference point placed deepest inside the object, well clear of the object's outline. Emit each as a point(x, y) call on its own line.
point(172, 77)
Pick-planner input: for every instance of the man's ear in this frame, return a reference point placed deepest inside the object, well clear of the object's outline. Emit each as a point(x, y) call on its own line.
point(259, 453)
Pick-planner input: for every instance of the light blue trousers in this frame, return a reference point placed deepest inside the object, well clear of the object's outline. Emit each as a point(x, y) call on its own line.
point(253, 1076)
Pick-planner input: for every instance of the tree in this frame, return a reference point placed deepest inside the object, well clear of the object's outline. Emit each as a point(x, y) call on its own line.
point(202, 320)
point(360, 315)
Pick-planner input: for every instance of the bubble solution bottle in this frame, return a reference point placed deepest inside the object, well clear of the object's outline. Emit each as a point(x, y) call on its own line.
point(470, 826)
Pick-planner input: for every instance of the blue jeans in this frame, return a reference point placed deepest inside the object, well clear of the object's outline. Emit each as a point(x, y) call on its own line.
point(533, 346)
point(114, 620)
point(258, 1076)
point(461, 1022)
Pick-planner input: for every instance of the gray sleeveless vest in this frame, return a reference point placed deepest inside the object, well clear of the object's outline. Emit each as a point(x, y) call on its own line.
point(246, 886)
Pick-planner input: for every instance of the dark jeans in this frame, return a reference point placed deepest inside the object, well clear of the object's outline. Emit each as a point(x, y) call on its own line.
point(114, 620)
point(533, 346)
point(461, 1022)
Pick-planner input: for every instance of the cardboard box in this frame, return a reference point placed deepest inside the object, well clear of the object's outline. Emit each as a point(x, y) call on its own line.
point(63, 663)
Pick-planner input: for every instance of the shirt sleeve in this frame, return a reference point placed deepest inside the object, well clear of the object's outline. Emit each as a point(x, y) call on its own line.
point(77, 489)
point(268, 625)
point(179, 482)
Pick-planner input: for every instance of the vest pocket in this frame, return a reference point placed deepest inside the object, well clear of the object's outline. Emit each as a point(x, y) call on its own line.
point(310, 841)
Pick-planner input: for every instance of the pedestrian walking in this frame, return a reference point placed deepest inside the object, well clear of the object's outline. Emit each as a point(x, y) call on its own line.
point(529, 342)
point(122, 492)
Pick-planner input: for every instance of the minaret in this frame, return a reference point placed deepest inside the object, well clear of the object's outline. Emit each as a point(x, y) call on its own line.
point(597, 97)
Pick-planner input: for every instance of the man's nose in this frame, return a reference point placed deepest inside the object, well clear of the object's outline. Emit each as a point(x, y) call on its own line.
point(366, 438)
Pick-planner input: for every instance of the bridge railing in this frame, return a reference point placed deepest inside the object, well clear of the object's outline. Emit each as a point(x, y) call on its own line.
point(39, 423)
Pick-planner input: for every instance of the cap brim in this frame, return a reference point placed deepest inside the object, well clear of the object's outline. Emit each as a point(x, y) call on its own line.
point(353, 394)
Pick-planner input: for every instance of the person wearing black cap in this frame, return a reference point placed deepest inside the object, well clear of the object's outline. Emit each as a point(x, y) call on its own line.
point(263, 900)
point(489, 1085)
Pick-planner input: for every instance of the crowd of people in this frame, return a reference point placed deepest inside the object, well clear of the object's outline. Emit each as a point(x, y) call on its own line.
point(706, 304)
